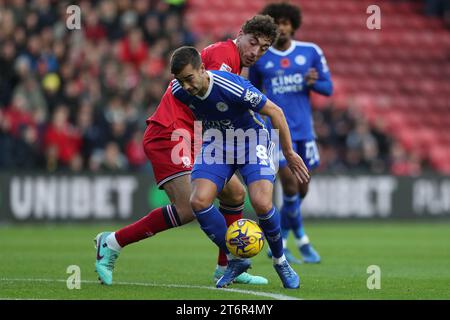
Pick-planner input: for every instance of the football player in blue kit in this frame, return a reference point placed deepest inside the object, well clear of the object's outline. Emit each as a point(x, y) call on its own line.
point(228, 106)
point(287, 74)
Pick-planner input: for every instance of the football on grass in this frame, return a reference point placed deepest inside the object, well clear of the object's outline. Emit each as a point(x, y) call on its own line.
point(244, 238)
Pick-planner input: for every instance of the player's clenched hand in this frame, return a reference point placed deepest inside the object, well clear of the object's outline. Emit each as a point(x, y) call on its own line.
point(297, 167)
point(311, 77)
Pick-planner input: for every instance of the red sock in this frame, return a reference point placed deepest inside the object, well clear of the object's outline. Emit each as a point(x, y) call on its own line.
point(158, 220)
point(231, 214)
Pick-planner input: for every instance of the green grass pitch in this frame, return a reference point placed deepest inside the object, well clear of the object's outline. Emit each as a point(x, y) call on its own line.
point(414, 258)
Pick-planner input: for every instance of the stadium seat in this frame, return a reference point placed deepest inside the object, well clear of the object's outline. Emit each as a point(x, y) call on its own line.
point(403, 70)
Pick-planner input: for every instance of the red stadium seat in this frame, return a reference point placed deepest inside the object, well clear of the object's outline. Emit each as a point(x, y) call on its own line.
point(400, 73)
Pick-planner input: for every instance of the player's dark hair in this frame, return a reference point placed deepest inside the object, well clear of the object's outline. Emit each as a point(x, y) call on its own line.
point(183, 56)
point(261, 26)
point(284, 10)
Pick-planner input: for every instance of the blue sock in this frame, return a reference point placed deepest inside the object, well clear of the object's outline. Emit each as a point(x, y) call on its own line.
point(291, 212)
point(297, 228)
point(270, 224)
point(213, 224)
point(284, 223)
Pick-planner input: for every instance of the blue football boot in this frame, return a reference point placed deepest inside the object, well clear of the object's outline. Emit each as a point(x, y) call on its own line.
point(244, 278)
point(309, 255)
point(287, 275)
point(234, 269)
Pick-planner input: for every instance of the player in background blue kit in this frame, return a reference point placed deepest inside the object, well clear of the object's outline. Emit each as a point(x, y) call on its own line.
point(287, 74)
point(228, 104)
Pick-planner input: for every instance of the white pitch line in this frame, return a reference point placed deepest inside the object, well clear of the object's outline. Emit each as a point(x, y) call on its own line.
point(143, 284)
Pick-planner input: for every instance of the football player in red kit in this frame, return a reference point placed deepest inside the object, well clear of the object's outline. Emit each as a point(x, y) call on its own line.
point(172, 126)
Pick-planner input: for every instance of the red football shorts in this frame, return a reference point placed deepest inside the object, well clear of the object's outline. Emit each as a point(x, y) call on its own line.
point(170, 150)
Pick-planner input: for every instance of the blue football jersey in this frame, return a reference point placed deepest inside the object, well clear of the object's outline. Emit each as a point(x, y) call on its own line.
point(281, 75)
point(231, 102)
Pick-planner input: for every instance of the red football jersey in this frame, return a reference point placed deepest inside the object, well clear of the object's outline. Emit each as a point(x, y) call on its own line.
point(222, 56)
point(218, 56)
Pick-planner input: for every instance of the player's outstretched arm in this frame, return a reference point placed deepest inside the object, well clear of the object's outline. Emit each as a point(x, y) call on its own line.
point(278, 120)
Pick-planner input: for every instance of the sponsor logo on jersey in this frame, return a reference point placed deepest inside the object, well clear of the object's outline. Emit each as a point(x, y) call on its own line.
point(287, 83)
point(222, 107)
point(225, 67)
point(252, 97)
point(269, 65)
point(217, 124)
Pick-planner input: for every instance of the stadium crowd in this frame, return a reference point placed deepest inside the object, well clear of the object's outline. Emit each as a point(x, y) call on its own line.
point(438, 8)
point(77, 99)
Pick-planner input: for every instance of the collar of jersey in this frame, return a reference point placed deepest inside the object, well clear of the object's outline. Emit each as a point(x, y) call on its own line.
point(211, 83)
point(286, 52)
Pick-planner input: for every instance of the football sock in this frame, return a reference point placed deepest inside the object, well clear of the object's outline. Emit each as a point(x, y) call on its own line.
point(270, 224)
point(302, 241)
point(232, 257)
point(221, 268)
point(157, 220)
point(231, 214)
point(284, 223)
point(214, 225)
point(292, 214)
point(112, 243)
point(284, 240)
point(297, 228)
point(279, 260)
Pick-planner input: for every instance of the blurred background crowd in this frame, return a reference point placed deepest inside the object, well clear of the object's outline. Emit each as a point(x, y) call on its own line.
point(77, 100)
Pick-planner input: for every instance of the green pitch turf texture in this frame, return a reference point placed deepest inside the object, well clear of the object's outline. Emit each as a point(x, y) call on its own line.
point(178, 264)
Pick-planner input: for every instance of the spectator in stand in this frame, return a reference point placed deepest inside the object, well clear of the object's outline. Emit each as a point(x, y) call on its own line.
point(402, 164)
point(51, 85)
point(17, 117)
point(113, 73)
point(135, 153)
point(438, 8)
point(109, 19)
point(152, 28)
point(108, 159)
point(133, 49)
point(94, 30)
point(76, 164)
point(90, 133)
point(26, 153)
point(155, 63)
point(7, 24)
point(360, 141)
point(8, 78)
point(62, 141)
point(113, 159)
point(31, 91)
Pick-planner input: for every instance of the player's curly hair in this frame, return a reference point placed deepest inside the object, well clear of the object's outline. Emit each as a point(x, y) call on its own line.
point(261, 26)
point(284, 10)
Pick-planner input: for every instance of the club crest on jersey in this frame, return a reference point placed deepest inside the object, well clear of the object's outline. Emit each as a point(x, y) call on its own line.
point(252, 97)
point(222, 107)
point(300, 60)
point(191, 107)
point(186, 162)
point(225, 67)
point(285, 63)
